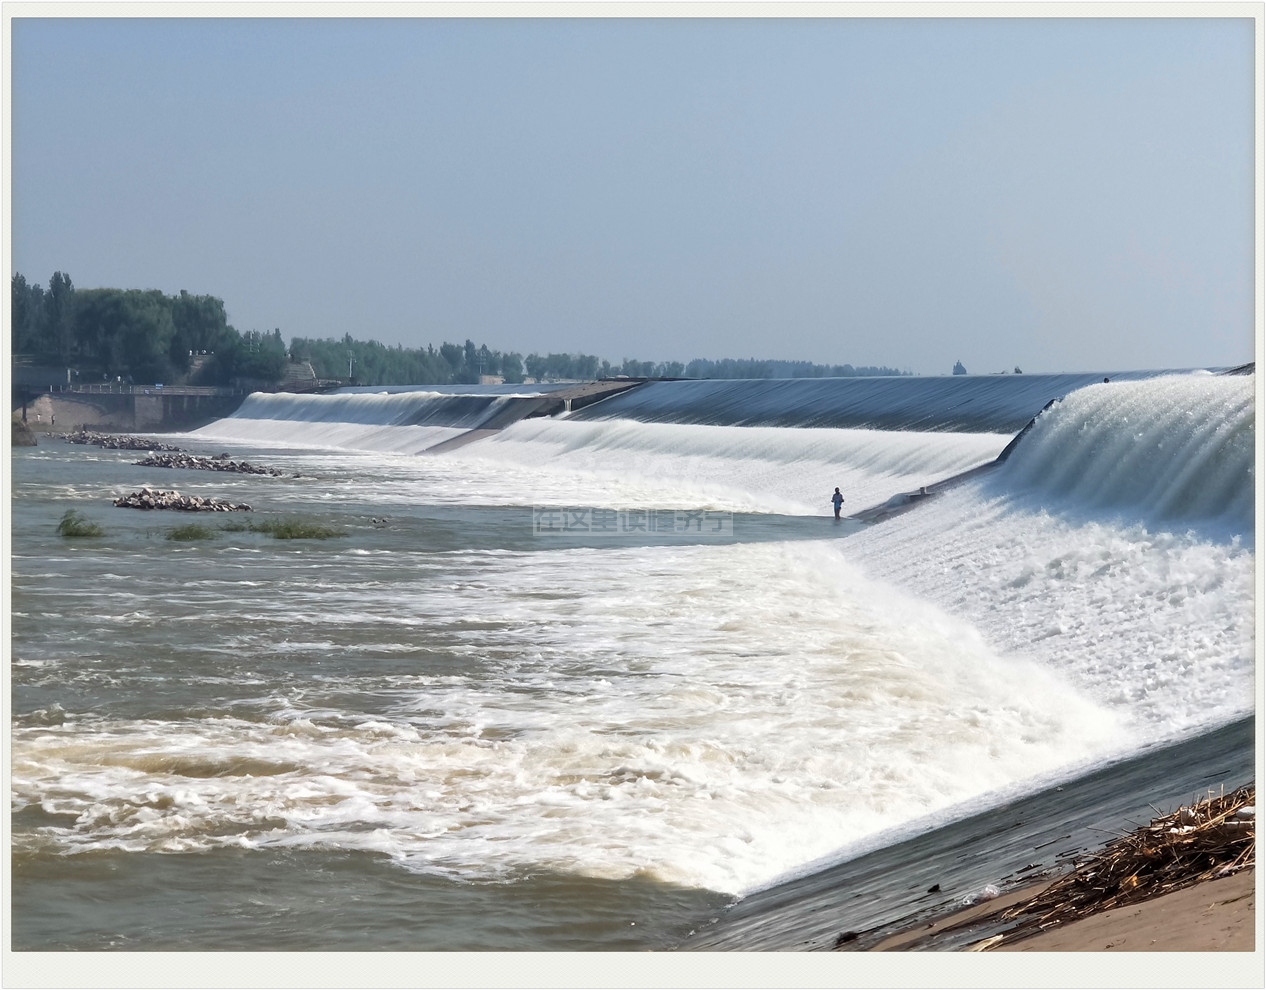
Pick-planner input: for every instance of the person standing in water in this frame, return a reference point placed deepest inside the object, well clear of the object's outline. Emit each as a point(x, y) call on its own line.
point(837, 500)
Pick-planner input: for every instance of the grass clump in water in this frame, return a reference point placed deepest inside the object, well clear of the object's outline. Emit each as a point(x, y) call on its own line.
point(296, 529)
point(191, 532)
point(286, 529)
point(75, 526)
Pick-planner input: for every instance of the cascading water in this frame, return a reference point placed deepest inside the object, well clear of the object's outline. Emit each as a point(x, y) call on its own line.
point(440, 700)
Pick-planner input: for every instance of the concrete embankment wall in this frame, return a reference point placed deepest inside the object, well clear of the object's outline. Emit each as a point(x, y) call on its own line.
point(139, 412)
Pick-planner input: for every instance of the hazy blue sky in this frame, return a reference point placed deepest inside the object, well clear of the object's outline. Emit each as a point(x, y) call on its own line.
point(1057, 194)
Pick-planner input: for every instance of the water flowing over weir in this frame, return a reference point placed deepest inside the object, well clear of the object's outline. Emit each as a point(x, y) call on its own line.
point(1086, 504)
point(976, 404)
point(990, 404)
point(1166, 450)
point(445, 706)
point(405, 420)
point(1170, 448)
point(1066, 555)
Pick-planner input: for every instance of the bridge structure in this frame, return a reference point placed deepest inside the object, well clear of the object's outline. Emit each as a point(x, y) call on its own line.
point(123, 407)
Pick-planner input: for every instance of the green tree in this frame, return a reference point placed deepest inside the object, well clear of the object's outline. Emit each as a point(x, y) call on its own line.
point(59, 305)
point(453, 357)
point(125, 333)
point(512, 368)
point(198, 324)
point(142, 342)
point(535, 365)
point(28, 315)
point(259, 356)
point(100, 315)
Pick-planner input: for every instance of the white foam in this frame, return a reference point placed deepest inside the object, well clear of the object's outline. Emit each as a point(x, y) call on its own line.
point(359, 408)
point(321, 435)
point(709, 716)
point(705, 716)
point(1155, 624)
point(1165, 450)
point(732, 467)
point(619, 464)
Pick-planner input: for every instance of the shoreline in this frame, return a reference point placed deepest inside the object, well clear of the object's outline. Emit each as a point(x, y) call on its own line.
point(1183, 882)
point(1213, 916)
point(1210, 916)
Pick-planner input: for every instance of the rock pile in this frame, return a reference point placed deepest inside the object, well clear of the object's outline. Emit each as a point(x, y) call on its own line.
point(148, 498)
point(180, 460)
point(112, 442)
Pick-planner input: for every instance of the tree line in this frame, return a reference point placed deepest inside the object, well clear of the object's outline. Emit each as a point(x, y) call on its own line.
point(139, 335)
point(144, 335)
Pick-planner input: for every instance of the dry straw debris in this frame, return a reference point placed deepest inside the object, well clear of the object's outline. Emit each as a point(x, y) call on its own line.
point(1212, 837)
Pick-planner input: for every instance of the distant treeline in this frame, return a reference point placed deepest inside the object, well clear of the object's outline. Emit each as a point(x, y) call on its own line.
point(752, 368)
point(372, 363)
point(138, 335)
point(147, 336)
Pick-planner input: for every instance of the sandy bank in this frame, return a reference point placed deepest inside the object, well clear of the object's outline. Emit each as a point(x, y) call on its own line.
point(1184, 882)
point(1218, 915)
point(1213, 916)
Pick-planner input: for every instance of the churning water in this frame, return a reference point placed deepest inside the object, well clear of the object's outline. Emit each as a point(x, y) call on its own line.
point(447, 729)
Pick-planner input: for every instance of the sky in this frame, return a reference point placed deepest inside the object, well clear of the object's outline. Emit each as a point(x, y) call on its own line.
point(1049, 194)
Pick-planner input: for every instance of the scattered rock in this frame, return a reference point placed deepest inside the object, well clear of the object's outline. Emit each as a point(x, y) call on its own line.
point(112, 442)
point(182, 460)
point(149, 498)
